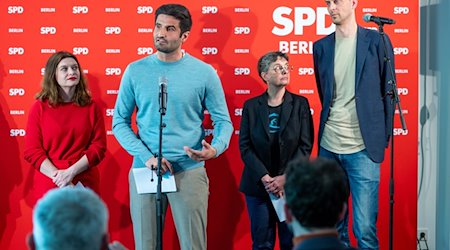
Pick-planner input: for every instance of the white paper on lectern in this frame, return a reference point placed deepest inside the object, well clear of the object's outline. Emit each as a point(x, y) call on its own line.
point(278, 205)
point(145, 185)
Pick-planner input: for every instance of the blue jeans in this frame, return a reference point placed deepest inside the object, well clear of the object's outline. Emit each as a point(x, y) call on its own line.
point(263, 221)
point(364, 178)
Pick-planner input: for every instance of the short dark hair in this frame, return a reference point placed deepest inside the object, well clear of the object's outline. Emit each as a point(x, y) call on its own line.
point(179, 12)
point(316, 192)
point(270, 57)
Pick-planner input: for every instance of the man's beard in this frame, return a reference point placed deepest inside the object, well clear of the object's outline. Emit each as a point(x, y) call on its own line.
point(166, 50)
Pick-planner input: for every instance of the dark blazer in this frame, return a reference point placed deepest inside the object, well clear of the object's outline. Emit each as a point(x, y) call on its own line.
point(372, 81)
point(296, 138)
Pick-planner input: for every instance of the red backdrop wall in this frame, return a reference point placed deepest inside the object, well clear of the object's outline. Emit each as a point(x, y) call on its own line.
point(231, 35)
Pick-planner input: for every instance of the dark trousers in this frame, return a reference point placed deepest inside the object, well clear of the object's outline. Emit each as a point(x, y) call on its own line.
point(264, 221)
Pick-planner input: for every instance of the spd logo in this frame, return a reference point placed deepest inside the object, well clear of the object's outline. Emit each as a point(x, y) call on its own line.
point(209, 51)
point(48, 30)
point(80, 9)
point(286, 23)
point(401, 51)
point(241, 71)
point(113, 71)
point(401, 10)
point(16, 92)
point(241, 30)
point(16, 132)
point(144, 9)
point(144, 51)
point(80, 51)
point(305, 71)
point(112, 30)
point(209, 9)
point(15, 9)
point(16, 51)
point(400, 131)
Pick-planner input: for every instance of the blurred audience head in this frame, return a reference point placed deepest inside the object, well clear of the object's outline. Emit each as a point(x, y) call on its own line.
point(316, 193)
point(70, 219)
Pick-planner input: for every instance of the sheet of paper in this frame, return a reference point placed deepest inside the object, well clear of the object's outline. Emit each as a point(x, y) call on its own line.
point(146, 181)
point(278, 205)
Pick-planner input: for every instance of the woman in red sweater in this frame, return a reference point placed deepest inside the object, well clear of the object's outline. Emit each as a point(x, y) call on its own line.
point(65, 136)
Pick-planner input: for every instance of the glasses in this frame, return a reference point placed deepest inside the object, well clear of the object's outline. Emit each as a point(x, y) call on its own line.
point(285, 68)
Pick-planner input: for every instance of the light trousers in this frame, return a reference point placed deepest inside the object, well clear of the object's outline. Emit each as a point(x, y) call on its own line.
point(189, 207)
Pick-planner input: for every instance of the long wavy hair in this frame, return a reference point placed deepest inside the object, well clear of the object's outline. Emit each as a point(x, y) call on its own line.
point(50, 87)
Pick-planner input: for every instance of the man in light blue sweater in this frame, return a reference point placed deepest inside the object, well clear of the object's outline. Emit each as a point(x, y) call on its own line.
point(193, 87)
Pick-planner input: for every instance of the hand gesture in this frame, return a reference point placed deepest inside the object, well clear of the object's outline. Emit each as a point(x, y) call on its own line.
point(206, 153)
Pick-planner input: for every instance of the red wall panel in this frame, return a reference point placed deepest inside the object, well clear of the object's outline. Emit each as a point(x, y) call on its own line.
point(231, 35)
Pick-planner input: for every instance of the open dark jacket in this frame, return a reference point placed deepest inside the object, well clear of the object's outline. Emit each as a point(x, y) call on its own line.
point(296, 138)
point(374, 109)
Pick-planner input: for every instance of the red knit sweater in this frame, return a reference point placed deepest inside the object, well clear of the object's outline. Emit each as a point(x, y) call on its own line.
point(63, 134)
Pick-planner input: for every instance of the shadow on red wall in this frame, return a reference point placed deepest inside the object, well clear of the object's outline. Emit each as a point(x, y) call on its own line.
point(11, 175)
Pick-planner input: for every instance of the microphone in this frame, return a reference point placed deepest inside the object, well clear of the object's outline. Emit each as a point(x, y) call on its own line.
point(162, 94)
point(377, 19)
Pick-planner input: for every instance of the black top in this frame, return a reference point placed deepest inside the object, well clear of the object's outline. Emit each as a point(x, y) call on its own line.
point(274, 133)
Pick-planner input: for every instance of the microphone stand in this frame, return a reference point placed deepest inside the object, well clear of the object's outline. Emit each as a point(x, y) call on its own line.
point(396, 99)
point(162, 125)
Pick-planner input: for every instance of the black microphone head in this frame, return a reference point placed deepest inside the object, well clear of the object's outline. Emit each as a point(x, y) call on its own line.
point(367, 17)
point(377, 19)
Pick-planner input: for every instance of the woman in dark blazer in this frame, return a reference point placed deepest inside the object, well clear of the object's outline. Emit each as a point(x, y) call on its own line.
point(276, 127)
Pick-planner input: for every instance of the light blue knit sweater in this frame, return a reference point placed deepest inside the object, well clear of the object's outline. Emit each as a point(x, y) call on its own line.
point(192, 87)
